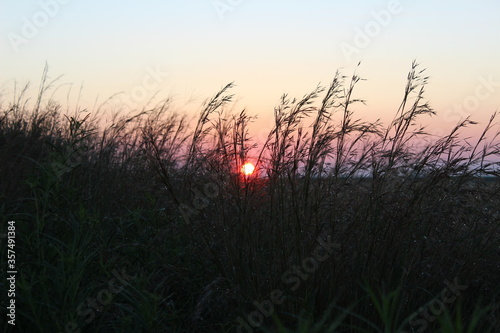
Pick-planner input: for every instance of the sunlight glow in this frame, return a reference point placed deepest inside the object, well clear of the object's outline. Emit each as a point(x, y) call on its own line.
point(247, 169)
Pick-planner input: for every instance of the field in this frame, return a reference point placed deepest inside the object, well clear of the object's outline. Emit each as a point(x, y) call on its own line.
point(148, 225)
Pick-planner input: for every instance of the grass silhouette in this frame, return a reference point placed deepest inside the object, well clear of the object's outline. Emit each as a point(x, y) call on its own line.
point(165, 202)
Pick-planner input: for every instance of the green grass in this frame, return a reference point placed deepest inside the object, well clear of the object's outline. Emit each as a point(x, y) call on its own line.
point(161, 200)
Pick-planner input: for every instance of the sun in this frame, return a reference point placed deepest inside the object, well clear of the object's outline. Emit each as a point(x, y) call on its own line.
point(247, 169)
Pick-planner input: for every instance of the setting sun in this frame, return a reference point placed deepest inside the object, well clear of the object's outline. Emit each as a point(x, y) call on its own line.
point(247, 169)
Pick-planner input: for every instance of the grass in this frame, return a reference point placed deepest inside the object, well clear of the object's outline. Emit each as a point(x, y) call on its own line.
point(209, 250)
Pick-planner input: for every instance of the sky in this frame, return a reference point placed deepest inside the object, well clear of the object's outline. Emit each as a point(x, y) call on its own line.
point(188, 50)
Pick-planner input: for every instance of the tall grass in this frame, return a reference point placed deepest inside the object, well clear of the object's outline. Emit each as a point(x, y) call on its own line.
point(161, 196)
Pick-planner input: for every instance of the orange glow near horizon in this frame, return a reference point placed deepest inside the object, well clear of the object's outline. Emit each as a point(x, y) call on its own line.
point(247, 169)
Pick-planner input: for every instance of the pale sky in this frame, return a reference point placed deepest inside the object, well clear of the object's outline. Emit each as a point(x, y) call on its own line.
point(189, 49)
